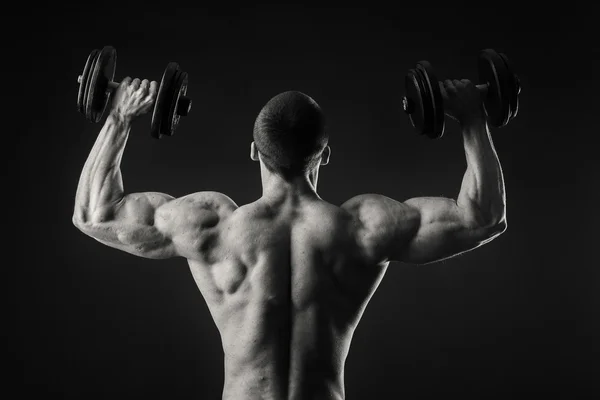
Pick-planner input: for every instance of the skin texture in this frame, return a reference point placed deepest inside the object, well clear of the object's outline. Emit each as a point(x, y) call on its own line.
point(287, 277)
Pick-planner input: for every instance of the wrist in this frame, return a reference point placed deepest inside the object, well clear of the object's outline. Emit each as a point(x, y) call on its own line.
point(474, 120)
point(119, 118)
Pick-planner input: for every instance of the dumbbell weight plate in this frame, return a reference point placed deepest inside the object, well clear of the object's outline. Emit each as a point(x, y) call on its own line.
point(493, 71)
point(169, 101)
point(433, 101)
point(422, 100)
point(86, 102)
point(162, 106)
point(179, 92)
point(427, 110)
point(83, 81)
point(102, 72)
point(414, 97)
point(514, 84)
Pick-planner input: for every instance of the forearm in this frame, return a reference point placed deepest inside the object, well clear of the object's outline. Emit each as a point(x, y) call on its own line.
point(482, 192)
point(100, 183)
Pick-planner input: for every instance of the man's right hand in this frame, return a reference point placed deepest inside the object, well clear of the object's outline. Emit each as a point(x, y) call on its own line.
point(462, 100)
point(133, 98)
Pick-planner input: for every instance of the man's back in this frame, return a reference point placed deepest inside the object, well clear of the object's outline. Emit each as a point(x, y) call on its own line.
point(287, 278)
point(286, 284)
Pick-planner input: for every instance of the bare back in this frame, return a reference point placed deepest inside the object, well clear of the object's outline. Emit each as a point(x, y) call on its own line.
point(287, 280)
point(286, 285)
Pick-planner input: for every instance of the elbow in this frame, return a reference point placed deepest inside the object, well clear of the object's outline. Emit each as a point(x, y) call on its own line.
point(500, 226)
point(83, 218)
point(497, 224)
point(80, 216)
point(490, 222)
point(81, 221)
point(488, 226)
point(78, 221)
point(495, 228)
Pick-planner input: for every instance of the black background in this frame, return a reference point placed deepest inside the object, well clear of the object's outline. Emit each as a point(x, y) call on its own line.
point(513, 319)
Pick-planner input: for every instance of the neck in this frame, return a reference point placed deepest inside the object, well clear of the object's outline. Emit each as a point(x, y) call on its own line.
point(278, 187)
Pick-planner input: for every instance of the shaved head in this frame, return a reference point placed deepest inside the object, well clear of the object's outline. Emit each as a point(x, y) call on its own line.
point(289, 133)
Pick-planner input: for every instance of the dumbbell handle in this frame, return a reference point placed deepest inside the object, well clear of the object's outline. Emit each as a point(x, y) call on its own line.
point(183, 107)
point(111, 85)
point(408, 105)
point(482, 87)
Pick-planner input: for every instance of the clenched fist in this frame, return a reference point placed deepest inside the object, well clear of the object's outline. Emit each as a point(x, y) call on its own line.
point(463, 101)
point(134, 98)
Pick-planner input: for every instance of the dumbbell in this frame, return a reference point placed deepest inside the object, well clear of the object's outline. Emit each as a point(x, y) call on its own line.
point(96, 86)
point(499, 85)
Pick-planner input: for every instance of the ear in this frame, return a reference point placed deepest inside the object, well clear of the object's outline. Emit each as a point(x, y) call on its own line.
point(325, 155)
point(253, 152)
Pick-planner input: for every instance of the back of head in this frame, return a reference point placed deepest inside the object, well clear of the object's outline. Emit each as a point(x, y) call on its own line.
point(289, 133)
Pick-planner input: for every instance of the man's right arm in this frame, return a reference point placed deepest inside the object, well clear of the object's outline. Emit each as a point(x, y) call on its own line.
point(428, 229)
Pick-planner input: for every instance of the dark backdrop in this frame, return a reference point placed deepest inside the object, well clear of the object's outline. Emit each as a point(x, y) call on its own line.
point(514, 319)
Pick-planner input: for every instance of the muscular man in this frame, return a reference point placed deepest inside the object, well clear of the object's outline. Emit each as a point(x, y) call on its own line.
point(287, 277)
